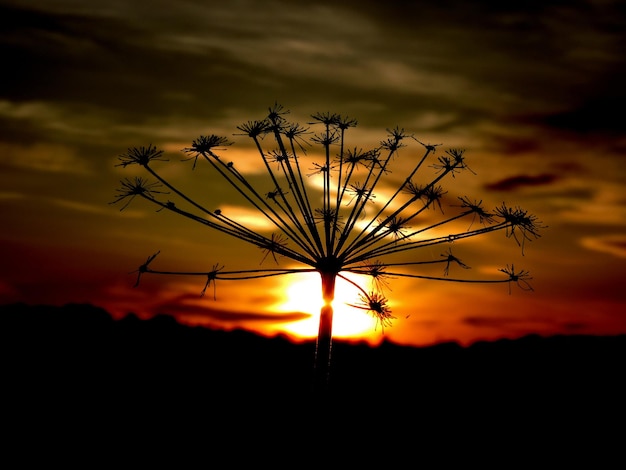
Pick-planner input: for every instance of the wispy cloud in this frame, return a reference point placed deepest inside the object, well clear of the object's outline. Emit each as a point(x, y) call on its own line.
point(611, 244)
point(77, 206)
point(45, 157)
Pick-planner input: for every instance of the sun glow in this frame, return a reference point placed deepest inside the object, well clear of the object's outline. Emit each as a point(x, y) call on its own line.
point(303, 293)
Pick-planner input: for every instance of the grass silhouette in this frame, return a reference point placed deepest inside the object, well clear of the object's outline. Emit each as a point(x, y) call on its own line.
point(337, 225)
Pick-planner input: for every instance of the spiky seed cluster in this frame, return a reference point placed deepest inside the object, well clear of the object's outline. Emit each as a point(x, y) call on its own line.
point(140, 156)
point(375, 304)
point(324, 227)
point(137, 187)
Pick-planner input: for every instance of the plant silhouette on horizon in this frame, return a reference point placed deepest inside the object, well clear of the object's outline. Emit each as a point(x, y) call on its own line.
point(337, 226)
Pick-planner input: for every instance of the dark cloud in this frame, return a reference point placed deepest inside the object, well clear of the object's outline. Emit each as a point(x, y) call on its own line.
point(574, 327)
point(389, 62)
point(180, 310)
point(488, 322)
point(597, 116)
point(106, 64)
point(590, 112)
point(514, 145)
point(515, 182)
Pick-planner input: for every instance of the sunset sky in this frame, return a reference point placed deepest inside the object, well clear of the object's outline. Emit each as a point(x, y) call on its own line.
point(532, 91)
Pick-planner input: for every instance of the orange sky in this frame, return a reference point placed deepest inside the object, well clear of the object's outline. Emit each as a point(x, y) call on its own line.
point(529, 94)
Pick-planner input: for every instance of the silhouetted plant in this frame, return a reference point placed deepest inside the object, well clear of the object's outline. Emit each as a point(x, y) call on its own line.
point(335, 236)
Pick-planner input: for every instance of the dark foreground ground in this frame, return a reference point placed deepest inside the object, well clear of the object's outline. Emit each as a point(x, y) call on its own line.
point(73, 374)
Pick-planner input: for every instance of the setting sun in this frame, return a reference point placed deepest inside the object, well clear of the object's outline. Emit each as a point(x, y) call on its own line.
point(303, 293)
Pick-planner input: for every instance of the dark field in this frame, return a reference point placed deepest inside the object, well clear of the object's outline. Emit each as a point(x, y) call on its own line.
point(75, 368)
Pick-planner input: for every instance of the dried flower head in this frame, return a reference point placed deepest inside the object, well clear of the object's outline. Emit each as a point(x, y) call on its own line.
point(140, 156)
point(376, 305)
point(136, 187)
point(323, 226)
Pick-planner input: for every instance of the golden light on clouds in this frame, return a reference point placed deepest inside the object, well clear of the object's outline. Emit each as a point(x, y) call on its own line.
point(50, 158)
point(611, 244)
point(543, 141)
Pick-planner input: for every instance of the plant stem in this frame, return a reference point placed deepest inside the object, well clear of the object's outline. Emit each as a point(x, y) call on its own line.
point(323, 347)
